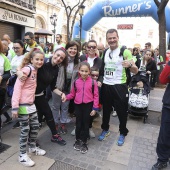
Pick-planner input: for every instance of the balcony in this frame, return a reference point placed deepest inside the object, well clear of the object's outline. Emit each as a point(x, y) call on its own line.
point(27, 4)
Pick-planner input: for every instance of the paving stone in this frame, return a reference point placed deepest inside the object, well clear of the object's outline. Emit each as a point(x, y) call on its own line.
point(91, 167)
point(75, 162)
point(67, 160)
point(83, 165)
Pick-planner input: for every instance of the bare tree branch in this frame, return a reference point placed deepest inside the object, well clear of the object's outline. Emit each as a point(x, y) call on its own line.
point(157, 3)
point(69, 11)
point(73, 21)
point(162, 5)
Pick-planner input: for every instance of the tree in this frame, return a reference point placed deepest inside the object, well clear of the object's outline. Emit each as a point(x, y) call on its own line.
point(69, 10)
point(162, 26)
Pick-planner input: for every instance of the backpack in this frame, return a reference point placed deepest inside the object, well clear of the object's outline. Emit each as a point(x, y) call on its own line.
point(12, 80)
point(128, 75)
point(75, 88)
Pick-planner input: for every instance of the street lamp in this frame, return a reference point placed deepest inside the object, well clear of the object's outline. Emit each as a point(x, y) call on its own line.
point(53, 20)
point(81, 13)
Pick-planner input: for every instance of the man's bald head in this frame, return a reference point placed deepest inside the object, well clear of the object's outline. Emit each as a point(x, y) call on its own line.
point(5, 46)
point(6, 37)
point(100, 46)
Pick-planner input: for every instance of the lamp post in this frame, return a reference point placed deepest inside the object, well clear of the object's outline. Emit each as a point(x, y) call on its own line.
point(53, 20)
point(81, 13)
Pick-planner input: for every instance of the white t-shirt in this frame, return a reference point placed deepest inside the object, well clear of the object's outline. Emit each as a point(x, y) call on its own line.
point(114, 73)
point(91, 61)
point(15, 63)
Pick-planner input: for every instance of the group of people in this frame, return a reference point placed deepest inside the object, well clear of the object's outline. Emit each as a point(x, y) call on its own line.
point(78, 80)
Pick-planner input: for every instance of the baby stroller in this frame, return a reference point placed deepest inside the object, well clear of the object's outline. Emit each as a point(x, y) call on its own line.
point(139, 90)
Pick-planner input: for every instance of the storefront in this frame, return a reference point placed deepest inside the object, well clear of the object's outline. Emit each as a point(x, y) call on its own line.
point(15, 24)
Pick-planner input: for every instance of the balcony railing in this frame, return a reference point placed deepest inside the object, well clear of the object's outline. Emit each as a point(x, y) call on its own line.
point(29, 4)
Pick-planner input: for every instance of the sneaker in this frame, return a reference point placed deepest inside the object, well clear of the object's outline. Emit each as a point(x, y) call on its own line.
point(91, 133)
point(16, 125)
point(63, 129)
point(7, 121)
point(121, 140)
point(103, 135)
point(84, 148)
point(58, 139)
point(37, 151)
point(73, 132)
point(77, 145)
point(159, 165)
point(25, 160)
point(57, 129)
point(114, 114)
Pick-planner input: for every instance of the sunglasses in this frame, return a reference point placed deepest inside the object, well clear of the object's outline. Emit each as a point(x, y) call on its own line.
point(94, 75)
point(27, 39)
point(91, 47)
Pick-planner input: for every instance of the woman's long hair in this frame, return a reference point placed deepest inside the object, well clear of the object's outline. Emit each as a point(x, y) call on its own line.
point(71, 44)
point(30, 55)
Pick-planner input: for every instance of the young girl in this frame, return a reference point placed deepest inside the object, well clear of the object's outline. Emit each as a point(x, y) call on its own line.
point(23, 106)
point(86, 104)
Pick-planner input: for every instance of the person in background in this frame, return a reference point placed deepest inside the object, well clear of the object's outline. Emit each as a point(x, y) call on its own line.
point(136, 56)
point(151, 68)
point(30, 42)
point(101, 49)
point(163, 144)
point(7, 38)
point(4, 76)
point(86, 105)
point(83, 48)
point(20, 52)
point(23, 106)
point(9, 53)
point(59, 42)
point(159, 62)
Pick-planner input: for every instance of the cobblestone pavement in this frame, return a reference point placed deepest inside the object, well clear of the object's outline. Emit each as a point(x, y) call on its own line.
point(137, 153)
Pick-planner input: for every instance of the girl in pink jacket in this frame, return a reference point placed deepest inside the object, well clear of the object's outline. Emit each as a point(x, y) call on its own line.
point(23, 106)
point(86, 98)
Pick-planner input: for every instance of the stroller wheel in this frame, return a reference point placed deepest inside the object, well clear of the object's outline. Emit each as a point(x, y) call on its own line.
point(144, 119)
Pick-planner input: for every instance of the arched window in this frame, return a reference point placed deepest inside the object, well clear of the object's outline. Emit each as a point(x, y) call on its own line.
point(39, 23)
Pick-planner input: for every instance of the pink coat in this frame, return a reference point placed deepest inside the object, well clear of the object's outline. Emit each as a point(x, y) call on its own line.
point(24, 91)
point(82, 92)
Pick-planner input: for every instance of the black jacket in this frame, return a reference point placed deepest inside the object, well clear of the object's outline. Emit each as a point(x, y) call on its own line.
point(47, 75)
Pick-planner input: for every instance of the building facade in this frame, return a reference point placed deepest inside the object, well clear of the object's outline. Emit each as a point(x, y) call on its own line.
point(17, 17)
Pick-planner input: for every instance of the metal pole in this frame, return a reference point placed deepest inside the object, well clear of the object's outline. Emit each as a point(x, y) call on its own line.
point(54, 30)
point(80, 26)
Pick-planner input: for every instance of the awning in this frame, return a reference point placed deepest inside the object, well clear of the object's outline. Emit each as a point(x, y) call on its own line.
point(43, 32)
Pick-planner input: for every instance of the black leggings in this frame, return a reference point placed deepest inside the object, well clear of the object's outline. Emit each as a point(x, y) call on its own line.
point(2, 100)
point(43, 108)
point(82, 120)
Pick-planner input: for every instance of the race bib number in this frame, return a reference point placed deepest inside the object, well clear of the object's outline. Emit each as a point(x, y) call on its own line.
point(110, 69)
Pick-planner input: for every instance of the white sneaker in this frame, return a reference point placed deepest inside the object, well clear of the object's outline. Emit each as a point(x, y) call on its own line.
point(25, 160)
point(114, 114)
point(73, 132)
point(37, 151)
point(91, 133)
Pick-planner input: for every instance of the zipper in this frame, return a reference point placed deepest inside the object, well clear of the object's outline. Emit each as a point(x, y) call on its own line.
point(83, 91)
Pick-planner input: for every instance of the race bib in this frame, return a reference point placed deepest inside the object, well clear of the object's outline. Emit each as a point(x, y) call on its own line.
point(110, 69)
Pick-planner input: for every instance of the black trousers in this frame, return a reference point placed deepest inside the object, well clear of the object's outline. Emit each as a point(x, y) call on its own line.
point(43, 108)
point(117, 96)
point(163, 145)
point(2, 100)
point(82, 120)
